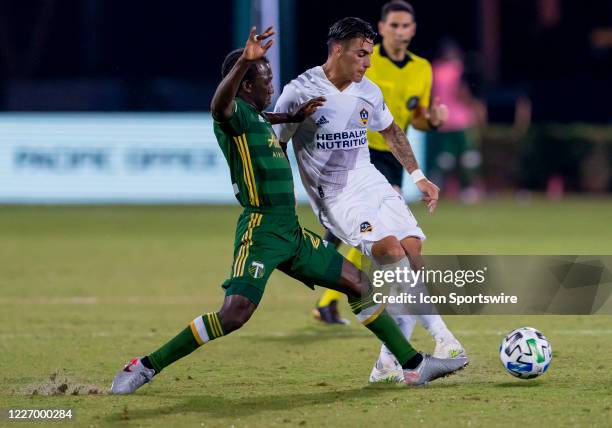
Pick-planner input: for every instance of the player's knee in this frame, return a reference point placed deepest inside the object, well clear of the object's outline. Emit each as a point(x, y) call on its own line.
point(413, 247)
point(232, 319)
point(388, 250)
point(352, 280)
point(235, 312)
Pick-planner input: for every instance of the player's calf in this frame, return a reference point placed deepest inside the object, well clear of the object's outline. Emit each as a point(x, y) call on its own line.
point(235, 312)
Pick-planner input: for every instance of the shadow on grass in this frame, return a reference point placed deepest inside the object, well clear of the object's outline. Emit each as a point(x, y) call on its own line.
point(216, 406)
point(519, 384)
point(310, 335)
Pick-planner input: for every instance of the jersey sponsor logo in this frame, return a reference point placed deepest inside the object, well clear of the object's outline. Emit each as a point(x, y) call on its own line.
point(364, 115)
point(342, 140)
point(257, 269)
point(274, 144)
point(365, 227)
point(412, 103)
point(322, 121)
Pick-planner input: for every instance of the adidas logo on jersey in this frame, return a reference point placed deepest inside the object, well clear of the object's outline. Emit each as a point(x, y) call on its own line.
point(322, 121)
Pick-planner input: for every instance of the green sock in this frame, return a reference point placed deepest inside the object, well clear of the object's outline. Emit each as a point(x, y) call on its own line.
point(200, 331)
point(378, 321)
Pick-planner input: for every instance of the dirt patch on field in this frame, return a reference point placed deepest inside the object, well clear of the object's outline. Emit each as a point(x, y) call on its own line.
point(59, 383)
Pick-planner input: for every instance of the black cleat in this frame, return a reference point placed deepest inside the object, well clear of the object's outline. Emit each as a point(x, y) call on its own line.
point(329, 314)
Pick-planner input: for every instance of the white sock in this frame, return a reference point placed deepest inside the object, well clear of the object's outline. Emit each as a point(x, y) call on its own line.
point(435, 325)
point(432, 322)
point(406, 324)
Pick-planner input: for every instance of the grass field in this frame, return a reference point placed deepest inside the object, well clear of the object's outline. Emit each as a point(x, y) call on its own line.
point(83, 289)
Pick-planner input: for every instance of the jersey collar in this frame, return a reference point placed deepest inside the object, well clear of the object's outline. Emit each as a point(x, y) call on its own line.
point(330, 84)
point(399, 64)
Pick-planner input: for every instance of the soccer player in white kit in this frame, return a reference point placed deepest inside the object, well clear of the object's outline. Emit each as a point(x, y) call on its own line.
point(348, 194)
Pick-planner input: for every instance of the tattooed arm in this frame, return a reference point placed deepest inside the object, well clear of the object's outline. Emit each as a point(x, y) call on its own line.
point(396, 138)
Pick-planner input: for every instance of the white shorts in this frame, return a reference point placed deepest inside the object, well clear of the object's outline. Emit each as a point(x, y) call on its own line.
point(367, 210)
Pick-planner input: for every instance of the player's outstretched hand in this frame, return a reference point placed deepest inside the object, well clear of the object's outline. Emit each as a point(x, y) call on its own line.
point(438, 113)
point(255, 48)
point(307, 109)
point(430, 192)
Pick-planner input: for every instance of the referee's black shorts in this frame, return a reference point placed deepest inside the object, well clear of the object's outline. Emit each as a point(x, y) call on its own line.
point(390, 167)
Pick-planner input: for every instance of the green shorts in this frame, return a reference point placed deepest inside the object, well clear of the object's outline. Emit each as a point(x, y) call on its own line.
point(267, 241)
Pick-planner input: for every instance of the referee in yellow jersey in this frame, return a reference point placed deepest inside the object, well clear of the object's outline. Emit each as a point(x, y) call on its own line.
point(405, 80)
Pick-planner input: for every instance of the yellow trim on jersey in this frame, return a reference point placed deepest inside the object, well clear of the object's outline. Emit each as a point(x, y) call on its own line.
point(399, 86)
point(244, 170)
point(248, 156)
point(243, 253)
point(249, 176)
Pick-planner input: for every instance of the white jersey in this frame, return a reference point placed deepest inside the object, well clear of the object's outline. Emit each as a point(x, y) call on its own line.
point(349, 195)
point(333, 140)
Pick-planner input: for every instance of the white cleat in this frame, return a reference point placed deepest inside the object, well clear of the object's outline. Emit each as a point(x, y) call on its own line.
point(132, 377)
point(432, 368)
point(448, 347)
point(386, 373)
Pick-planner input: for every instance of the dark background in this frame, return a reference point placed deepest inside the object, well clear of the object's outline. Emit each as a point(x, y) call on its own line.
point(165, 55)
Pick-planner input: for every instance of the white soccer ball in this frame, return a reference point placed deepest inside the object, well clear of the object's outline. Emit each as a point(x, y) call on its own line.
point(525, 353)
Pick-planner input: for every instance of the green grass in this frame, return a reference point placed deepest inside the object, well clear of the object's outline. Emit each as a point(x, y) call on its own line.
point(82, 289)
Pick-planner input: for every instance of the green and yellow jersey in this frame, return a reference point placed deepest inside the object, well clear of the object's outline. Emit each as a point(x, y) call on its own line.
point(260, 172)
point(405, 86)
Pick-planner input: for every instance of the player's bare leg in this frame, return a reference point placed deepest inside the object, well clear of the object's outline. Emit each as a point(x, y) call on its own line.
point(447, 346)
point(407, 253)
point(415, 368)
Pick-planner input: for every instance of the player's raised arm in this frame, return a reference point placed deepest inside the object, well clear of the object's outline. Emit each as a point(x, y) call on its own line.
point(222, 105)
point(401, 149)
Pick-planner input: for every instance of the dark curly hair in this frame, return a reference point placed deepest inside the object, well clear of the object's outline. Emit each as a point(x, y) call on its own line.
point(232, 58)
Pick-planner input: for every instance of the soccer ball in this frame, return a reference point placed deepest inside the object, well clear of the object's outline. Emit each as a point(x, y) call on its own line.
point(525, 353)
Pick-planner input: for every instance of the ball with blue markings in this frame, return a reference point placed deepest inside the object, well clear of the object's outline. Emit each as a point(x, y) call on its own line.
point(525, 353)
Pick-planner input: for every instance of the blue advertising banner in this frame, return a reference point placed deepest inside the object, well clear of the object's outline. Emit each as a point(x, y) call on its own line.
point(83, 158)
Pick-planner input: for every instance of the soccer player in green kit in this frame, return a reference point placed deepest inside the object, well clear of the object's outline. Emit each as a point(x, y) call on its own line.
point(268, 235)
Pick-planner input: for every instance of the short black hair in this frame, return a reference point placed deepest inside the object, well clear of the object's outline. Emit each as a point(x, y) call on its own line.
point(232, 58)
point(396, 6)
point(350, 28)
